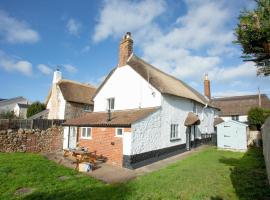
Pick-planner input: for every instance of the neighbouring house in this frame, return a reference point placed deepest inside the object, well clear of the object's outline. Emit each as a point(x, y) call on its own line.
point(20, 110)
point(68, 99)
point(141, 114)
point(18, 105)
point(232, 135)
point(237, 107)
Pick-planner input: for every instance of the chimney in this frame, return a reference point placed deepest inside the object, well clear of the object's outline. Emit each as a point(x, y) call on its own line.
point(57, 76)
point(207, 90)
point(125, 49)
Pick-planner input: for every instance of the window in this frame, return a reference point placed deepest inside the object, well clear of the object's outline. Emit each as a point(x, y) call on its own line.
point(86, 107)
point(194, 107)
point(235, 117)
point(174, 132)
point(86, 133)
point(110, 104)
point(119, 132)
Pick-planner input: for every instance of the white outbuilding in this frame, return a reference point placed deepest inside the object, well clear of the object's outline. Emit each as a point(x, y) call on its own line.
point(232, 135)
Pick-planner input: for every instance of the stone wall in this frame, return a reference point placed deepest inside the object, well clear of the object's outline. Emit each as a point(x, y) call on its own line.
point(30, 140)
point(74, 110)
point(266, 145)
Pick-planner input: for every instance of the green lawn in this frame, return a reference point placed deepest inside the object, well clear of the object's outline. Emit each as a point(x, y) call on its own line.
point(209, 174)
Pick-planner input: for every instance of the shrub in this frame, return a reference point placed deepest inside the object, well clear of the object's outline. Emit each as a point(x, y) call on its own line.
point(35, 108)
point(256, 117)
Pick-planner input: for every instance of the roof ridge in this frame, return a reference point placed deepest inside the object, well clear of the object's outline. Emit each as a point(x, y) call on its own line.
point(235, 97)
point(77, 83)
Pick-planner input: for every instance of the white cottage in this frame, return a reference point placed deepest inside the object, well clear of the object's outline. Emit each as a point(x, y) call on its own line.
point(140, 113)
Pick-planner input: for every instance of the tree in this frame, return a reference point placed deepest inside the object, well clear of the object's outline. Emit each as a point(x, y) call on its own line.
point(256, 117)
point(7, 115)
point(35, 108)
point(253, 34)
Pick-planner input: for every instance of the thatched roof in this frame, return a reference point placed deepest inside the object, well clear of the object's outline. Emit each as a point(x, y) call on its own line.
point(123, 118)
point(240, 105)
point(192, 119)
point(75, 92)
point(164, 83)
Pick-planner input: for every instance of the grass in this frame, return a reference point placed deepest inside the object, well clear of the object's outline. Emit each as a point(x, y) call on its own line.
point(210, 174)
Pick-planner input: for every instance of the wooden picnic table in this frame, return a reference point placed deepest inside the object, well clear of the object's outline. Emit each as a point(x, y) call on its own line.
point(81, 156)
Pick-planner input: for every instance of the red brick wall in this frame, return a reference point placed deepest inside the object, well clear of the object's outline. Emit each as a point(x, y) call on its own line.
point(105, 143)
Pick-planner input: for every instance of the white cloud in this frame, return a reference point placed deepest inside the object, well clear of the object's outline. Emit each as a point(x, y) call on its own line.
point(74, 27)
point(197, 42)
point(12, 64)
point(241, 71)
point(45, 69)
point(70, 68)
point(15, 31)
point(118, 17)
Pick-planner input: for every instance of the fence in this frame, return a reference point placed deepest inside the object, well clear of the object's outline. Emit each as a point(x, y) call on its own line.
point(42, 124)
point(266, 145)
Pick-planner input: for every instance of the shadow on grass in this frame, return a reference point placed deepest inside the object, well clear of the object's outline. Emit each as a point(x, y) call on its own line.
point(103, 192)
point(248, 175)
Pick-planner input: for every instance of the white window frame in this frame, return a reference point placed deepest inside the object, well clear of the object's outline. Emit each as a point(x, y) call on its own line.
point(174, 132)
point(116, 132)
point(85, 137)
point(109, 103)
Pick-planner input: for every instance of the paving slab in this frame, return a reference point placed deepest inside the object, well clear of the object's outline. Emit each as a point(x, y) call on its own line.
point(113, 174)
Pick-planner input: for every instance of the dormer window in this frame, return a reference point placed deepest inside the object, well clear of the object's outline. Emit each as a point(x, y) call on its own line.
point(110, 103)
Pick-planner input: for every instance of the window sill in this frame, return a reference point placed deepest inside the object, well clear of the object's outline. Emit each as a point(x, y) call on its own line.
point(84, 138)
point(119, 136)
point(175, 140)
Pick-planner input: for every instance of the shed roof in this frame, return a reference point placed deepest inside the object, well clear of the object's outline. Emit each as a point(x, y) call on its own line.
point(232, 121)
point(123, 118)
point(240, 105)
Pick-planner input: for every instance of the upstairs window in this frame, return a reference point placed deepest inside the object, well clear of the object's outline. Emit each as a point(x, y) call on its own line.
point(174, 132)
point(235, 117)
point(86, 133)
point(110, 103)
point(86, 107)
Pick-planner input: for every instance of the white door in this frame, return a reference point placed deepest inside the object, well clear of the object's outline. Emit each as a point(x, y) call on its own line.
point(72, 137)
point(65, 142)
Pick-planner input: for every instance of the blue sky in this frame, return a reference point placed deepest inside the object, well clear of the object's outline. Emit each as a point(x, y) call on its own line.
point(184, 38)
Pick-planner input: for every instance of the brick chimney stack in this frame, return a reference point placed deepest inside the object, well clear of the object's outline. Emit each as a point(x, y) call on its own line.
point(207, 89)
point(125, 49)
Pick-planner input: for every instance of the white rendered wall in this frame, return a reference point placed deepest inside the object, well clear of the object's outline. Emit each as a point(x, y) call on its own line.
point(129, 89)
point(242, 118)
point(56, 104)
point(153, 132)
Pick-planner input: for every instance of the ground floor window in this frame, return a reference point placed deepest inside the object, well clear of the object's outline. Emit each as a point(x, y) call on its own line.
point(86, 133)
point(174, 132)
point(119, 132)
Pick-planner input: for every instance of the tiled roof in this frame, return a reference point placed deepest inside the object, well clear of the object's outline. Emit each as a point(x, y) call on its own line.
point(123, 118)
